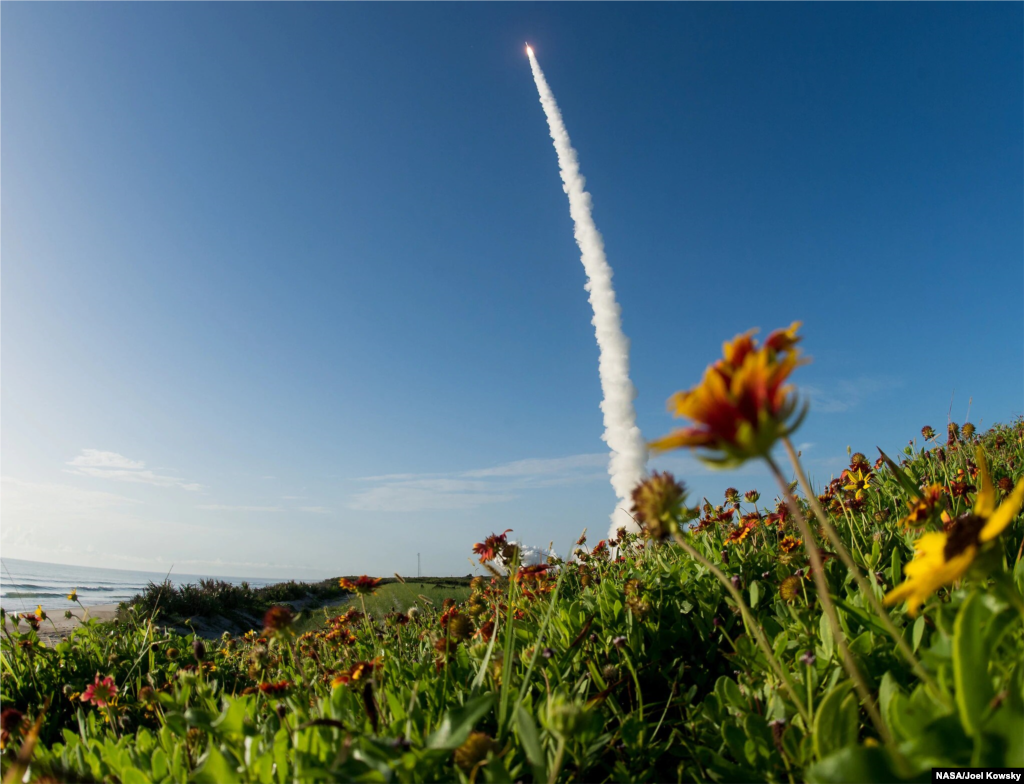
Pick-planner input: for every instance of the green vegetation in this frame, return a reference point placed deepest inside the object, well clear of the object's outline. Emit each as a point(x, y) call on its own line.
point(867, 630)
point(421, 592)
point(216, 597)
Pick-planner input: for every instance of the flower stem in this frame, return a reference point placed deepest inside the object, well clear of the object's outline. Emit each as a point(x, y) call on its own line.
point(750, 622)
point(862, 582)
point(559, 756)
point(830, 611)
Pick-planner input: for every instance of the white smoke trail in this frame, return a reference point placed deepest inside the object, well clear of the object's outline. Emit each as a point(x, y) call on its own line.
point(628, 460)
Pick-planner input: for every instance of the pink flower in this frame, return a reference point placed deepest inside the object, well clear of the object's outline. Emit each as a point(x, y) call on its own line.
point(100, 692)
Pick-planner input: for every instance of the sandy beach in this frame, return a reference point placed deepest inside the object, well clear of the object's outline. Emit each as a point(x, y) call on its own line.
point(52, 633)
point(56, 627)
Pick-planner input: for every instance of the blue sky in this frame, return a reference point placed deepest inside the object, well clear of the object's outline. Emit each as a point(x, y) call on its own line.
point(292, 289)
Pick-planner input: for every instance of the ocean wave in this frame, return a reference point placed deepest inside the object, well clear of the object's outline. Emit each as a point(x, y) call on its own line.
point(31, 595)
point(79, 588)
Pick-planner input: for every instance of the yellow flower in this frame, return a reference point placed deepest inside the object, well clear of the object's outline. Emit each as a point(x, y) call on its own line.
point(40, 612)
point(73, 596)
point(790, 588)
point(738, 534)
point(742, 405)
point(857, 482)
point(943, 558)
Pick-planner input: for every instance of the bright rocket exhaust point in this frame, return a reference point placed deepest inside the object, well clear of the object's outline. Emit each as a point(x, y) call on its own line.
point(627, 464)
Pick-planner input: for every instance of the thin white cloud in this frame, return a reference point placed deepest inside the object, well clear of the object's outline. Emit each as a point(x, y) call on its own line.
point(400, 498)
point(541, 467)
point(315, 509)
point(28, 498)
point(477, 487)
point(96, 458)
point(230, 508)
point(845, 394)
point(116, 467)
point(392, 477)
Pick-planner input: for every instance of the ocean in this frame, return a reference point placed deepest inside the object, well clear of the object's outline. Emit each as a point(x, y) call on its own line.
point(25, 584)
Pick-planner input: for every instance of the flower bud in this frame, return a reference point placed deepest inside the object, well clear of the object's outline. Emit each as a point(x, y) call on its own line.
point(564, 717)
point(657, 503)
point(460, 627)
point(474, 751)
point(952, 433)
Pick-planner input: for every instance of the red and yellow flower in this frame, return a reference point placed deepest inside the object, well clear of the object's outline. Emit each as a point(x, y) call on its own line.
point(357, 672)
point(921, 509)
point(491, 547)
point(100, 692)
point(788, 544)
point(362, 585)
point(743, 405)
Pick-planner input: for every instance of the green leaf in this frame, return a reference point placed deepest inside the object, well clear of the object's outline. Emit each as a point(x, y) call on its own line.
point(917, 633)
point(496, 773)
point(876, 554)
point(1018, 574)
point(459, 722)
point(133, 776)
point(1008, 725)
point(231, 721)
point(759, 738)
point(281, 742)
point(905, 481)
point(530, 739)
point(781, 642)
point(215, 769)
point(159, 765)
point(865, 619)
point(886, 690)
point(941, 744)
point(755, 593)
point(828, 644)
point(198, 718)
point(895, 567)
point(735, 739)
point(836, 721)
point(855, 764)
point(974, 689)
point(729, 693)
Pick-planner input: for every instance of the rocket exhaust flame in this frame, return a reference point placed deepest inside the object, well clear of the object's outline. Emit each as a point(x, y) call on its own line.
point(628, 460)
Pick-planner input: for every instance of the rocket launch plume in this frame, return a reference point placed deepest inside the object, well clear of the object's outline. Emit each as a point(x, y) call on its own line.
point(627, 464)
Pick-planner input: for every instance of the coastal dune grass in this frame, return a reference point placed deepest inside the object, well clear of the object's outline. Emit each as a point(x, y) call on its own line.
point(392, 597)
point(216, 597)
